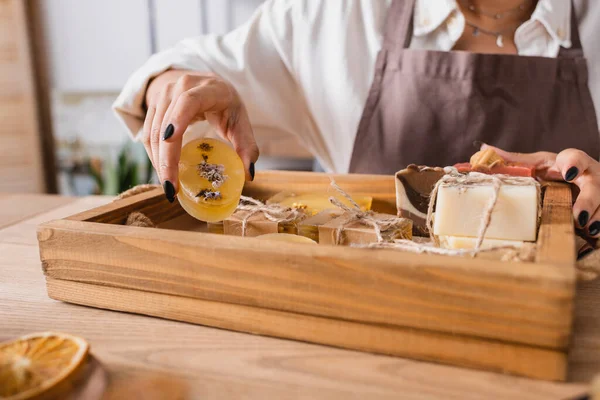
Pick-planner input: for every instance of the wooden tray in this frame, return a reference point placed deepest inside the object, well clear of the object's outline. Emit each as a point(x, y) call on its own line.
point(500, 316)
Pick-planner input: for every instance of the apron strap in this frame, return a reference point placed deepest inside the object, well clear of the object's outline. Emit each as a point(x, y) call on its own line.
point(576, 50)
point(399, 24)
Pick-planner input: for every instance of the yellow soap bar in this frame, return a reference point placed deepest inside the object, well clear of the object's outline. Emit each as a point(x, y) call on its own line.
point(286, 237)
point(211, 179)
point(469, 243)
point(313, 203)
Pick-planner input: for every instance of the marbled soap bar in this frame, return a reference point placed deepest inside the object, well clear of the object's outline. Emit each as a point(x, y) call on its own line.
point(460, 209)
point(413, 188)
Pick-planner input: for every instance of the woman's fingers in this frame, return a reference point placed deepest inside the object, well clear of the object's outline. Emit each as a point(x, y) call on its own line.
point(577, 167)
point(237, 129)
point(541, 159)
point(573, 163)
point(217, 102)
point(164, 100)
point(593, 229)
point(146, 139)
point(188, 107)
point(586, 205)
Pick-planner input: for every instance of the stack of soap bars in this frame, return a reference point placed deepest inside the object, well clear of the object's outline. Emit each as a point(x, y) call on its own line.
point(461, 204)
point(320, 220)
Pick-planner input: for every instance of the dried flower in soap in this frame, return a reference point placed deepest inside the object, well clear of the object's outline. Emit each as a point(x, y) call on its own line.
point(214, 173)
point(208, 194)
point(205, 146)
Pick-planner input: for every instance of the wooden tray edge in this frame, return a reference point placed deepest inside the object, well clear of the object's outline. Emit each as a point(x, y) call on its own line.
point(475, 353)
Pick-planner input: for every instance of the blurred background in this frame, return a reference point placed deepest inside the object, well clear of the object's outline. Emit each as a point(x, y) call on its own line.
point(62, 64)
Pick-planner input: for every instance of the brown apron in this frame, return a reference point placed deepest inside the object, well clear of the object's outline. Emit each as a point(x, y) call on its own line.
point(429, 107)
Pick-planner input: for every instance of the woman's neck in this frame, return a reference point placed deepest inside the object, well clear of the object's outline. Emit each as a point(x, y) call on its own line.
point(500, 5)
point(509, 10)
point(497, 19)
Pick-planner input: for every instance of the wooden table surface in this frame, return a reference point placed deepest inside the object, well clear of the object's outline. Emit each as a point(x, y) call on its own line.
point(150, 358)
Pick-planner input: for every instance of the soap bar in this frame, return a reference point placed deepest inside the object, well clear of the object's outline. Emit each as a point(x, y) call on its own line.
point(310, 226)
point(359, 232)
point(258, 224)
point(469, 243)
point(460, 209)
point(508, 169)
point(211, 179)
point(286, 237)
point(313, 203)
point(413, 188)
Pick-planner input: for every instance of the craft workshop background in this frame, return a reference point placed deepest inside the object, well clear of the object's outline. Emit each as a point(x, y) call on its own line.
point(63, 63)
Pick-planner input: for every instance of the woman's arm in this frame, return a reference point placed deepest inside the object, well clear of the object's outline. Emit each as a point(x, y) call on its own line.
point(251, 66)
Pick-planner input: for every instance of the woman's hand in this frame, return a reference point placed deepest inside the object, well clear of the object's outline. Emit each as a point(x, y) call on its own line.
point(573, 166)
point(175, 99)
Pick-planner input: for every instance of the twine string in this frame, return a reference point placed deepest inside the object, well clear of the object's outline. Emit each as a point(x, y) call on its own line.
point(471, 179)
point(355, 214)
point(273, 212)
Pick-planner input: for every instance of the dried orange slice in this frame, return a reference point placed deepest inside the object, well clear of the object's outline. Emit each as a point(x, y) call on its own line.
point(35, 364)
point(211, 179)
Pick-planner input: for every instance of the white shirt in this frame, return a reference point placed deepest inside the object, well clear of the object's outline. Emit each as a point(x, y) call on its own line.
point(304, 67)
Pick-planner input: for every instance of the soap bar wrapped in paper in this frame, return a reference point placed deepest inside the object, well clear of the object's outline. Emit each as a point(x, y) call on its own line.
point(253, 218)
point(348, 229)
point(310, 226)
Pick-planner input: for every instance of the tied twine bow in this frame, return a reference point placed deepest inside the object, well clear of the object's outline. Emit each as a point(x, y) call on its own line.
point(355, 214)
point(272, 212)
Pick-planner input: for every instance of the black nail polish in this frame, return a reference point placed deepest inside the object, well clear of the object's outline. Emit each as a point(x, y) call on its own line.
point(582, 397)
point(571, 174)
point(594, 228)
point(168, 132)
point(583, 218)
point(584, 253)
point(252, 170)
point(169, 191)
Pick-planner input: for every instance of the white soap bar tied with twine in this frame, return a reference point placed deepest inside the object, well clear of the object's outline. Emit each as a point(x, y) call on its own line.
point(487, 206)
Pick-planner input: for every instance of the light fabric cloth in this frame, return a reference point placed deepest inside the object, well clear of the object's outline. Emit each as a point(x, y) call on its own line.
point(304, 67)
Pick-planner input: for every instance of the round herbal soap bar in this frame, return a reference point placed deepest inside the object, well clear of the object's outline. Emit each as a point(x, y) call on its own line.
point(286, 237)
point(211, 179)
